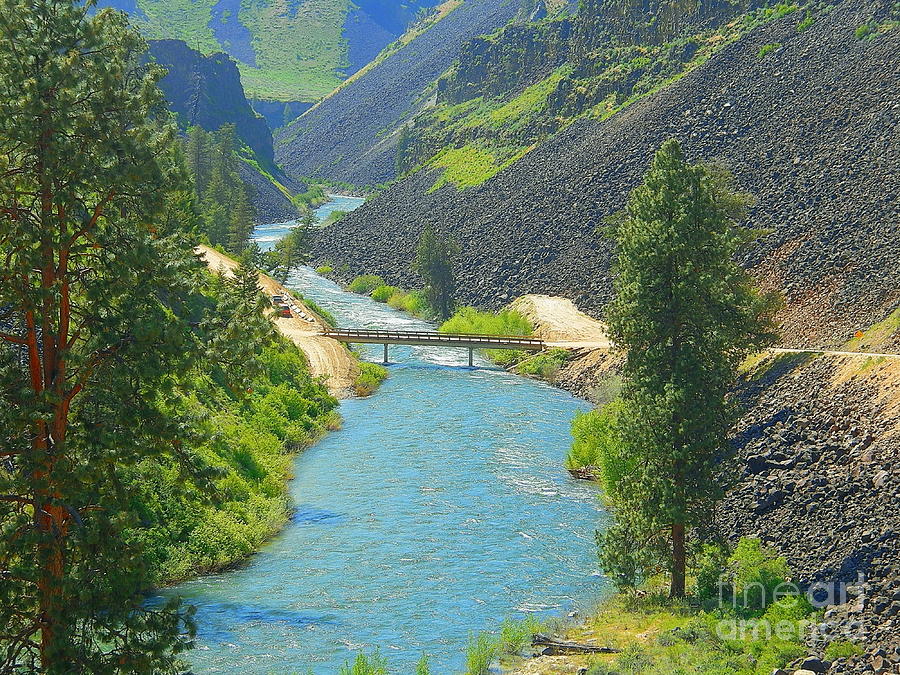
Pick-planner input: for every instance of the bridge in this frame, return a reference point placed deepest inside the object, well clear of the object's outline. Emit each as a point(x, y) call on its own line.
point(434, 339)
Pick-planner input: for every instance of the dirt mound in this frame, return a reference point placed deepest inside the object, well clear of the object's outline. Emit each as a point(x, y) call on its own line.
point(327, 358)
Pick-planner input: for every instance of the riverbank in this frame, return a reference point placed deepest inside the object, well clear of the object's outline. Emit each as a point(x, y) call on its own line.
point(818, 450)
point(327, 358)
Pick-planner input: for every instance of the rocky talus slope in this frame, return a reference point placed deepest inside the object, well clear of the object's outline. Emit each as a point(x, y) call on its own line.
point(810, 128)
point(819, 459)
point(351, 135)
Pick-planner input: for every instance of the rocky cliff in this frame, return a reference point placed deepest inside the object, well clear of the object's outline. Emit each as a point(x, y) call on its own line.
point(351, 135)
point(806, 119)
point(206, 91)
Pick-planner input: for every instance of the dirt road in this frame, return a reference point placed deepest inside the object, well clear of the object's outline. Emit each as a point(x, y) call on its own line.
point(327, 358)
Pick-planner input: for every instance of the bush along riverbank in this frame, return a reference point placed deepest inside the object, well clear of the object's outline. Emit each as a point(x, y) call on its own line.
point(245, 438)
point(743, 616)
point(543, 366)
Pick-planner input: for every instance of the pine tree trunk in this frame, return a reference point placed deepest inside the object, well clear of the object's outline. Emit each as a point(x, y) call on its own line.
point(678, 561)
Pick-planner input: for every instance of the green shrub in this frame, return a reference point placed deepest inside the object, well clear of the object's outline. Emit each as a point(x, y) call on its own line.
point(807, 21)
point(515, 635)
point(383, 293)
point(324, 270)
point(422, 666)
point(864, 31)
point(790, 608)
point(413, 302)
point(709, 564)
point(323, 313)
point(632, 660)
point(545, 365)
point(755, 573)
point(371, 375)
point(480, 654)
point(765, 49)
point(365, 284)
point(248, 440)
point(842, 649)
point(596, 443)
point(470, 320)
point(365, 665)
point(333, 217)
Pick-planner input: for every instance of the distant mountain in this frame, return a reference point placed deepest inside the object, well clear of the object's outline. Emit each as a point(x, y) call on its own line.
point(352, 134)
point(286, 50)
point(206, 91)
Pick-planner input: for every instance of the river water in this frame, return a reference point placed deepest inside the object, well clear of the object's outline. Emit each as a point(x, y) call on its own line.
point(440, 508)
point(267, 235)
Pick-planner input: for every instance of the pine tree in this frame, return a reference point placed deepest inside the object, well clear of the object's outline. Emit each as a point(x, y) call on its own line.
point(197, 157)
point(240, 226)
point(293, 249)
point(97, 327)
point(434, 263)
point(687, 316)
point(223, 199)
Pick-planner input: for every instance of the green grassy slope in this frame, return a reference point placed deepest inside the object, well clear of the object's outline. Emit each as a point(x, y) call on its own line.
point(287, 50)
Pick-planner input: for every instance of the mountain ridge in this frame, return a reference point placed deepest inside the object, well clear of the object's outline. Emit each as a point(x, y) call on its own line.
point(774, 120)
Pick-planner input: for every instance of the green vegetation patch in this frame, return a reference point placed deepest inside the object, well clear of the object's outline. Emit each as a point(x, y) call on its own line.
point(384, 292)
point(365, 665)
point(544, 365)
point(251, 439)
point(365, 284)
point(766, 49)
point(323, 313)
point(370, 377)
point(707, 633)
point(299, 48)
point(877, 334)
point(596, 445)
point(468, 166)
point(506, 322)
point(411, 302)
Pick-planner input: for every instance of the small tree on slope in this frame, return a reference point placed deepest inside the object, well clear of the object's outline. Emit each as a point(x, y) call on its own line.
point(687, 316)
point(434, 263)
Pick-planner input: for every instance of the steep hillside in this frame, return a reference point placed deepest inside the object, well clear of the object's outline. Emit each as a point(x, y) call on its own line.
point(286, 50)
point(807, 120)
point(206, 91)
point(352, 134)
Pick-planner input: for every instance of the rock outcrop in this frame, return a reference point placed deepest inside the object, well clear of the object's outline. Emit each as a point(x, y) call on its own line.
point(818, 451)
point(206, 91)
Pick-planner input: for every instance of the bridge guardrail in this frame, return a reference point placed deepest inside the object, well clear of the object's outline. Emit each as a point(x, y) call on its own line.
point(433, 336)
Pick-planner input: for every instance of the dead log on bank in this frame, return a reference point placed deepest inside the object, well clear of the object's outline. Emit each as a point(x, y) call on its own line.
point(554, 647)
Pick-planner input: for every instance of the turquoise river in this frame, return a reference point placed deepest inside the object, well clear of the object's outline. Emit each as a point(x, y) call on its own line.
point(439, 509)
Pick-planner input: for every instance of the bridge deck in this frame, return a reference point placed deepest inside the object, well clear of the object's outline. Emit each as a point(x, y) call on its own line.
point(426, 338)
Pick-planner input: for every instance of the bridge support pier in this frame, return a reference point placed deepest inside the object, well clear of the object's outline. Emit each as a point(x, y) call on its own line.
point(471, 354)
point(385, 353)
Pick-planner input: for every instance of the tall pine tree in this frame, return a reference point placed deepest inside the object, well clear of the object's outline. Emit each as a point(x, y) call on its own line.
point(687, 315)
point(97, 327)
